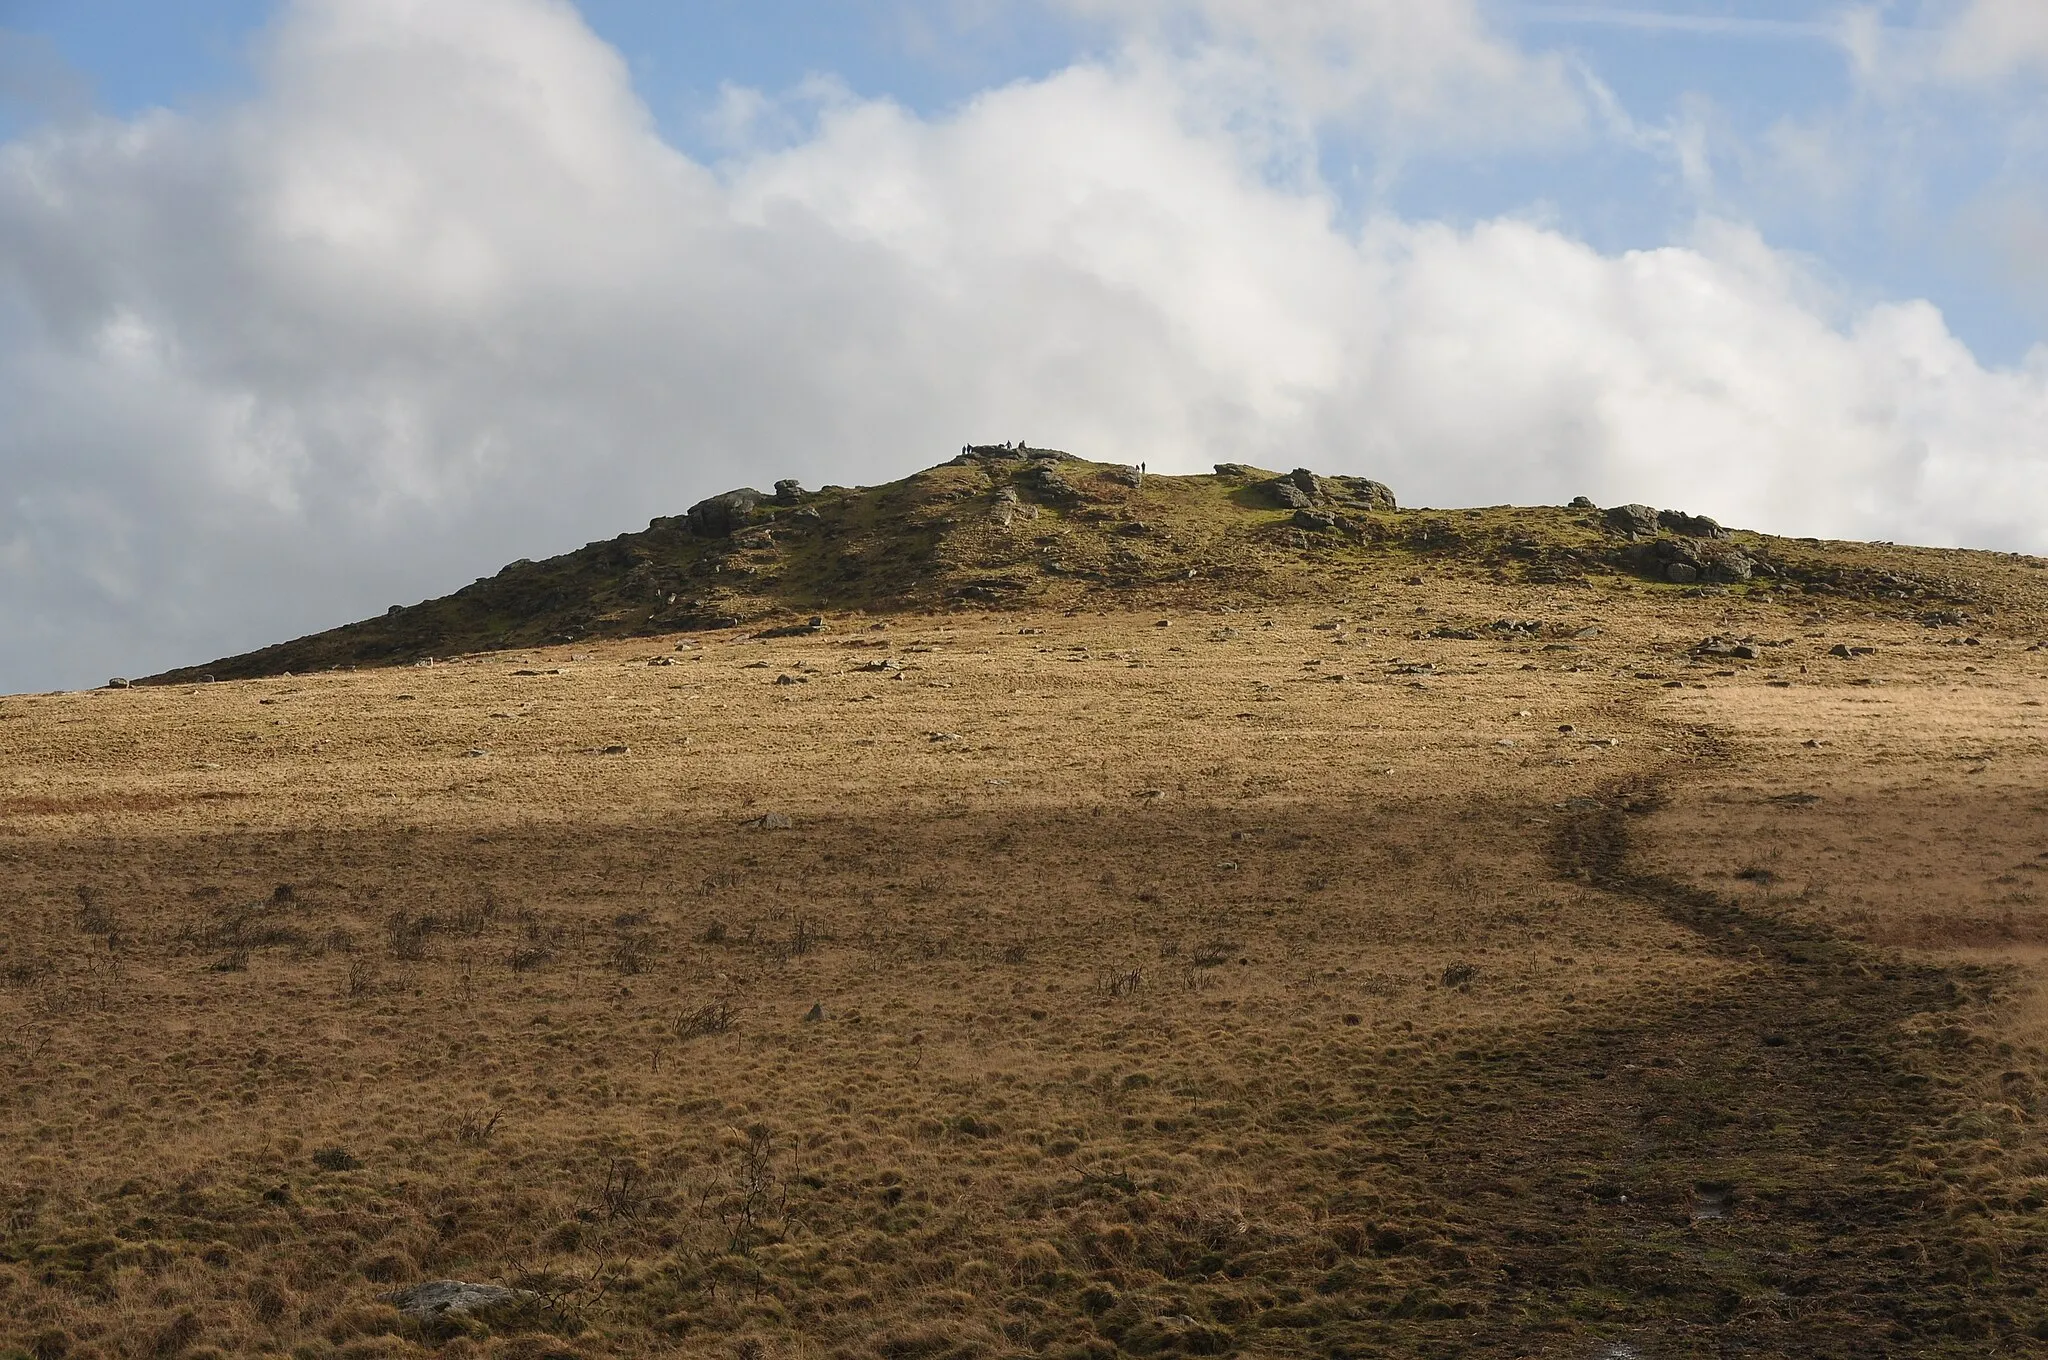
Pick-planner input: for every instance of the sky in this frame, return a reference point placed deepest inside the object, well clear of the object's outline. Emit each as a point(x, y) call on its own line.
point(310, 307)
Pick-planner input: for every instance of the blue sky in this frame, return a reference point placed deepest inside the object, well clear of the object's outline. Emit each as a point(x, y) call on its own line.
point(307, 306)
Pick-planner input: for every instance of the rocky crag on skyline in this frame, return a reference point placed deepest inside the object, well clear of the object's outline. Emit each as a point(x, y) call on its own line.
point(1010, 525)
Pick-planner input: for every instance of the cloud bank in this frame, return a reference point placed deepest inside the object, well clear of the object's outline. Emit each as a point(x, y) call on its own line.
point(439, 296)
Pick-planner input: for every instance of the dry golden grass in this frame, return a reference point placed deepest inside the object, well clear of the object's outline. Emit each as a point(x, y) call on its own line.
point(1202, 988)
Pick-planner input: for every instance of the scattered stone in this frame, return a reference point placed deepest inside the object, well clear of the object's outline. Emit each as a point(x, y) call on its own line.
point(787, 679)
point(884, 664)
point(459, 1298)
point(661, 661)
point(815, 1014)
point(475, 753)
point(117, 683)
point(614, 750)
point(1164, 623)
point(943, 736)
point(1314, 520)
point(770, 821)
point(1454, 634)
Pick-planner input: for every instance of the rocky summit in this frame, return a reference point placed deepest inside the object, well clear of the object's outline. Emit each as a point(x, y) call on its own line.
point(1011, 526)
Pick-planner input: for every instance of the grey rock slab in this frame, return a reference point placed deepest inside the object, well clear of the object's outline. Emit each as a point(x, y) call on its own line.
point(1633, 519)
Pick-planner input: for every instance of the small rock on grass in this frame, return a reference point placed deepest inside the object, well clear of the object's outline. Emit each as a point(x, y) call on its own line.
point(771, 821)
point(440, 1298)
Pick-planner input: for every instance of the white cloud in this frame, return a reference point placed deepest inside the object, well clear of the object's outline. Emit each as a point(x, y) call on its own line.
point(438, 297)
point(1995, 39)
point(1435, 73)
point(1961, 43)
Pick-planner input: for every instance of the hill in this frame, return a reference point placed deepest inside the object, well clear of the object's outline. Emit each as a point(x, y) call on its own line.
point(1040, 529)
point(1552, 931)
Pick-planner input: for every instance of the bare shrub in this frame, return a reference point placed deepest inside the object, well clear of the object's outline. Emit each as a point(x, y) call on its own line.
point(407, 934)
point(362, 978)
point(717, 1017)
point(631, 951)
point(95, 917)
point(1119, 981)
point(757, 1196)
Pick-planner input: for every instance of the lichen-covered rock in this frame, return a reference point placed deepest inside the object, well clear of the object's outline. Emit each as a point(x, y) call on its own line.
point(718, 516)
point(1043, 480)
point(1692, 526)
point(1633, 519)
point(1362, 492)
point(1287, 495)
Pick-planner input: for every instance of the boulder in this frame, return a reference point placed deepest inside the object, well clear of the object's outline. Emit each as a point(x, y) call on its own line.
point(1682, 573)
point(1314, 520)
point(437, 1299)
point(1363, 492)
point(1731, 568)
point(1633, 519)
point(1582, 503)
point(1045, 480)
point(788, 491)
point(1288, 495)
point(1692, 526)
point(718, 516)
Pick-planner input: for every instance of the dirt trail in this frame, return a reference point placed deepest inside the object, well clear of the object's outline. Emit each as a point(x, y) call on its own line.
point(1725, 1178)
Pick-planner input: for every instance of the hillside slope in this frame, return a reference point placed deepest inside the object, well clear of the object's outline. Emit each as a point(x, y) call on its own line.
point(1001, 527)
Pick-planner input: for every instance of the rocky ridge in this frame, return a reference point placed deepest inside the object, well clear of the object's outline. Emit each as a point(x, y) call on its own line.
point(1003, 525)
